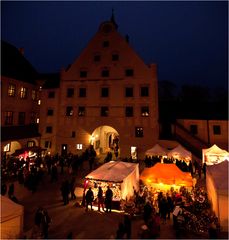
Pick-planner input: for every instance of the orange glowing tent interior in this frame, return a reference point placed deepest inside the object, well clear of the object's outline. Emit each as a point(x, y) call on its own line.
point(167, 174)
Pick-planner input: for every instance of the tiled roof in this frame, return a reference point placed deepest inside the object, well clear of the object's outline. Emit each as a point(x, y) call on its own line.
point(15, 65)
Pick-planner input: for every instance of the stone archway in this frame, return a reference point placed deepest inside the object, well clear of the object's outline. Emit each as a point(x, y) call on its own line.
point(104, 139)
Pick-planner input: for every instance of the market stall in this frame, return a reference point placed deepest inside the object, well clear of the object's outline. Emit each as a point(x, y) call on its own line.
point(156, 150)
point(12, 215)
point(122, 177)
point(164, 176)
point(214, 155)
point(217, 189)
point(180, 153)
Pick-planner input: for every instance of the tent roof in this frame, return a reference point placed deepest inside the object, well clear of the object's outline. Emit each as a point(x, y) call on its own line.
point(113, 171)
point(180, 152)
point(219, 173)
point(156, 150)
point(215, 150)
point(166, 173)
point(9, 209)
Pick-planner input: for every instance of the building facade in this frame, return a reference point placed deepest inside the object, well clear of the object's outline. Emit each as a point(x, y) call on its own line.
point(20, 101)
point(107, 97)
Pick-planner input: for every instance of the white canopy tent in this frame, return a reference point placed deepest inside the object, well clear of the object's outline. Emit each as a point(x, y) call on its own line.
point(156, 150)
point(217, 189)
point(12, 215)
point(214, 155)
point(124, 173)
point(180, 153)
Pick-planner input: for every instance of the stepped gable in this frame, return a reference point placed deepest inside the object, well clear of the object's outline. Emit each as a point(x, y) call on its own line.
point(15, 65)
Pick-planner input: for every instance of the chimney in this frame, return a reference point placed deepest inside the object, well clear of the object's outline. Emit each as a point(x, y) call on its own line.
point(21, 50)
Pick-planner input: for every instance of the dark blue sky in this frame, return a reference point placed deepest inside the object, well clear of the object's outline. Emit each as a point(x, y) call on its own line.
point(188, 40)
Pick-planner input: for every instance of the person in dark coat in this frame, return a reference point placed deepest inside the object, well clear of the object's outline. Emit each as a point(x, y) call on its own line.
point(38, 216)
point(46, 220)
point(89, 198)
point(72, 189)
point(204, 169)
point(108, 199)
point(54, 173)
point(127, 226)
point(147, 212)
point(121, 231)
point(100, 199)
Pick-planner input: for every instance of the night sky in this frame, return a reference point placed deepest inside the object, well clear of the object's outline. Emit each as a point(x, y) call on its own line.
point(188, 40)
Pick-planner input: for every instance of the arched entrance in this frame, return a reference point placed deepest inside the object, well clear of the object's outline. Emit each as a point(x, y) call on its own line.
point(105, 139)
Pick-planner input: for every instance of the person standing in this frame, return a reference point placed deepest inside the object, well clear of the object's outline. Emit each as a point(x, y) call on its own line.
point(72, 189)
point(100, 199)
point(127, 226)
point(108, 199)
point(89, 198)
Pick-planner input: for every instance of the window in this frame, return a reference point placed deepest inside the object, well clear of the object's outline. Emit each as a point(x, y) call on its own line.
point(115, 57)
point(49, 129)
point(129, 92)
point(104, 111)
point(83, 74)
point(138, 132)
point(11, 90)
point(6, 148)
point(145, 111)
point(97, 58)
point(8, 118)
point(23, 93)
point(69, 111)
point(106, 44)
point(104, 92)
point(216, 130)
point(21, 118)
point(70, 92)
point(30, 143)
point(50, 112)
point(38, 120)
point(79, 146)
point(73, 134)
point(129, 111)
point(51, 94)
point(34, 95)
point(48, 144)
point(144, 91)
point(33, 117)
point(82, 92)
point(193, 129)
point(129, 72)
point(105, 73)
point(81, 111)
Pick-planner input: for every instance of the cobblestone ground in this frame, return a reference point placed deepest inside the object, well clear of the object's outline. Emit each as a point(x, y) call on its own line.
point(66, 219)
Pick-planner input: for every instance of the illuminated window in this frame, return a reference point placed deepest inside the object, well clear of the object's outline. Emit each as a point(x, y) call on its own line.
point(82, 92)
point(193, 129)
point(104, 92)
point(8, 118)
point(144, 91)
point(129, 92)
point(145, 111)
point(7, 147)
point(216, 129)
point(30, 143)
point(23, 93)
point(39, 102)
point(81, 111)
point(51, 94)
point(129, 72)
point(38, 120)
point(104, 111)
point(129, 111)
point(21, 118)
point(138, 132)
point(34, 94)
point(83, 74)
point(11, 90)
point(69, 111)
point(105, 73)
point(79, 146)
point(49, 129)
point(50, 112)
point(70, 92)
